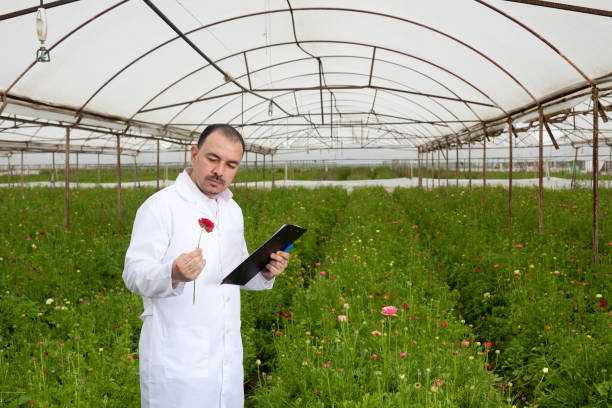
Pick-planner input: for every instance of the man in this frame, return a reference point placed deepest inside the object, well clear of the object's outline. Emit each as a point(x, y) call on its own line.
point(191, 351)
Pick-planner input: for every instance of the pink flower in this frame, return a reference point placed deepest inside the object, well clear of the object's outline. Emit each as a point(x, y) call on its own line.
point(402, 355)
point(518, 246)
point(376, 333)
point(28, 239)
point(465, 343)
point(318, 264)
point(322, 273)
point(207, 224)
point(342, 318)
point(389, 311)
point(496, 266)
point(356, 258)
point(326, 365)
point(574, 207)
point(563, 205)
point(60, 344)
point(374, 356)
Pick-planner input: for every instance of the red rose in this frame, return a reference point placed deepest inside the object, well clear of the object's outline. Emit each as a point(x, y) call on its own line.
point(207, 224)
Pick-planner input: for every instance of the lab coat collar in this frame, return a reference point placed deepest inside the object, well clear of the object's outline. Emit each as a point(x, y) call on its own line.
point(188, 190)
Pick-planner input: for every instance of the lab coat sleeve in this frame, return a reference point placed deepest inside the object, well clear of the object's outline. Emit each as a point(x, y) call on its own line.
point(258, 282)
point(144, 273)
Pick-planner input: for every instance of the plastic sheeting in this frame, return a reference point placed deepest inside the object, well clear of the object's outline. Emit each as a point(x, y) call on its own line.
point(340, 74)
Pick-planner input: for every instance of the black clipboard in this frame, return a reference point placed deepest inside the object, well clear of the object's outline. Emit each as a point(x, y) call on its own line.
point(285, 236)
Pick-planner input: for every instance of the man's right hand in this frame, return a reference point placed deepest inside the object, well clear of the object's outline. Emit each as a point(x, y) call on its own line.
point(187, 267)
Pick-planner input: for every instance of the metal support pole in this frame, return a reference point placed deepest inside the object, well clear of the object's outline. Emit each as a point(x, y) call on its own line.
point(457, 171)
point(574, 168)
point(119, 204)
point(22, 173)
point(439, 169)
point(10, 169)
point(272, 157)
point(98, 168)
point(447, 171)
point(285, 173)
point(470, 170)
point(420, 169)
point(510, 137)
point(67, 182)
point(77, 170)
point(595, 175)
point(53, 173)
point(136, 179)
point(541, 171)
point(256, 171)
point(157, 166)
point(484, 172)
point(264, 171)
point(246, 167)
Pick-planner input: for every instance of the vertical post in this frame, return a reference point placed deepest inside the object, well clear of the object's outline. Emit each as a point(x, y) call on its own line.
point(470, 170)
point(447, 169)
point(22, 171)
point(119, 205)
point(157, 166)
point(439, 169)
point(77, 170)
point(595, 175)
point(98, 168)
point(264, 171)
point(53, 173)
point(541, 171)
point(510, 137)
point(67, 182)
point(272, 168)
point(136, 180)
point(246, 177)
point(420, 170)
point(457, 170)
point(256, 172)
point(285, 173)
point(574, 168)
point(10, 169)
point(484, 170)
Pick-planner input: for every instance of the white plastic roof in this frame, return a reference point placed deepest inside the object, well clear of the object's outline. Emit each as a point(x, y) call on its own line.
point(302, 74)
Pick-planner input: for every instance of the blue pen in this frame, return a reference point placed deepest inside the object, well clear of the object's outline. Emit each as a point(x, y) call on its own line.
point(288, 247)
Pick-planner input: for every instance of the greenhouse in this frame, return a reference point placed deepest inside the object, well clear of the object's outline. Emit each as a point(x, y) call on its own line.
point(451, 162)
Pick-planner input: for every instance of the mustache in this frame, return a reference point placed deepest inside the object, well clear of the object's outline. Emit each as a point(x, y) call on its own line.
point(216, 178)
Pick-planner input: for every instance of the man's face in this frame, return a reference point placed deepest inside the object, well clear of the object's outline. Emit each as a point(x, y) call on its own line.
point(215, 164)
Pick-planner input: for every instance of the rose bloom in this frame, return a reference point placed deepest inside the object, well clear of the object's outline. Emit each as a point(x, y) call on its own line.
point(376, 333)
point(374, 356)
point(402, 354)
point(465, 343)
point(207, 224)
point(389, 311)
point(342, 318)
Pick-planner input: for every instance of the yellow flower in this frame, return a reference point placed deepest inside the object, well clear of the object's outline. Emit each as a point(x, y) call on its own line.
point(471, 357)
point(486, 295)
point(599, 296)
point(100, 349)
point(497, 351)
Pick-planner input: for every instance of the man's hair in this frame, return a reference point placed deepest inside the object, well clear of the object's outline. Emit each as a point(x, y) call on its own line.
point(227, 130)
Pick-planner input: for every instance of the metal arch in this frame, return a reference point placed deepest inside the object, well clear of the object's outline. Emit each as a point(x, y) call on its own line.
point(264, 127)
point(538, 36)
point(285, 10)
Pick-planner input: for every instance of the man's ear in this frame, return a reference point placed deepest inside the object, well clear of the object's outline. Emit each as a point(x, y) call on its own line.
point(194, 153)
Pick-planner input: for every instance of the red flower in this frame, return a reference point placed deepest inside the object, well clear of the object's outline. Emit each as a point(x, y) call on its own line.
point(405, 305)
point(488, 344)
point(207, 224)
point(41, 233)
point(496, 266)
point(286, 315)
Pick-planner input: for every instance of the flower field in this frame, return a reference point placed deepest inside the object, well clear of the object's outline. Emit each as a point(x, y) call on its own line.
point(403, 299)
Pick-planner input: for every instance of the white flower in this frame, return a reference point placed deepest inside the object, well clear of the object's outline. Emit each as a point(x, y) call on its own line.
point(545, 370)
point(49, 301)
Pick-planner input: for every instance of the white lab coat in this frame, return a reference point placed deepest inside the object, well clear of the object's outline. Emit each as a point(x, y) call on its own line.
point(190, 355)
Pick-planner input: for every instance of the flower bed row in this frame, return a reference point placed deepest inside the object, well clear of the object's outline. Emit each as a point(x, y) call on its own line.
point(375, 328)
point(536, 296)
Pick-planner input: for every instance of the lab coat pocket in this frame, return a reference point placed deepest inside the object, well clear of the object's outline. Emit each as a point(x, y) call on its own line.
point(186, 352)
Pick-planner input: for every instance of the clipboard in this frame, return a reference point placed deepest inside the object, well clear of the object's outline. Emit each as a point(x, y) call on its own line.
point(282, 239)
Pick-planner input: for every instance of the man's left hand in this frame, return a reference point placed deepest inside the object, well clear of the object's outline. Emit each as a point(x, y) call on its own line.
point(277, 264)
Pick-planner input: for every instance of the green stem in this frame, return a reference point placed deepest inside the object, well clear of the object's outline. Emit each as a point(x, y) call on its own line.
point(194, 285)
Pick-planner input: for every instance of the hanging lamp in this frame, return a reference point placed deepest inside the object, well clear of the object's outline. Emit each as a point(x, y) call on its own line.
point(42, 54)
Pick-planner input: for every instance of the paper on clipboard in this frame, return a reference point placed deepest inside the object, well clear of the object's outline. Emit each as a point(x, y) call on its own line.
point(285, 236)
